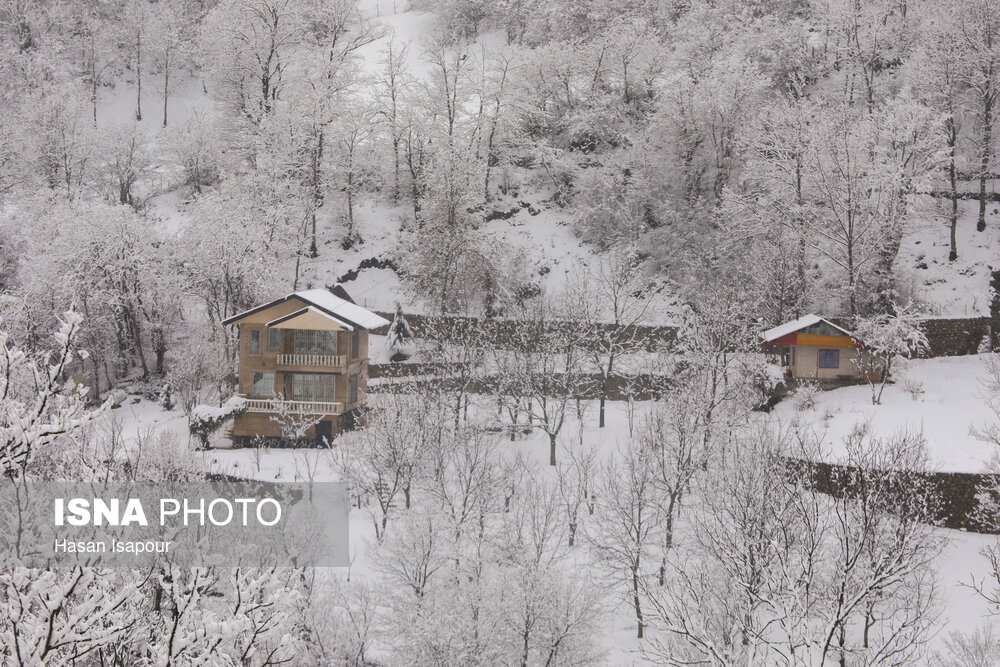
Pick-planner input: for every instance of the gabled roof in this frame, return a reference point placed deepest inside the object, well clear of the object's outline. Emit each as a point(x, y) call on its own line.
point(310, 317)
point(797, 325)
point(334, 306)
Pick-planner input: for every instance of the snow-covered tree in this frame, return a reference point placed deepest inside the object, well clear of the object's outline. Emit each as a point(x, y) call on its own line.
point(124, 160)
point(245, 45)
point(204, 420)
point(170, 46)
point(885, 339)
point(37, 401)
point(979, 34)
point(399, 339)
point(628, 519)
point(611, 302)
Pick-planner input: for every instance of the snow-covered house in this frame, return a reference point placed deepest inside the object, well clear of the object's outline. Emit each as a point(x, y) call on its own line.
point(304, 359)
point(812, 348)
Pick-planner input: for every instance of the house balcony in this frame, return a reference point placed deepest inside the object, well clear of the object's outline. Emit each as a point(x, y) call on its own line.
point(273, 406)
point(316, 360)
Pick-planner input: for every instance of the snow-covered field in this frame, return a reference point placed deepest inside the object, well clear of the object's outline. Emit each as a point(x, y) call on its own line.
point(943, 399)
point(938, 409)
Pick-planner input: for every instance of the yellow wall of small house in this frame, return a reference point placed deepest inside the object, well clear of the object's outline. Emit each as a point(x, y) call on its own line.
point(824, 341)
point(806, 363)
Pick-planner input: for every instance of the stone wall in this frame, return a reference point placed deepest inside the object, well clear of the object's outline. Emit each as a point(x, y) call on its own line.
point(503, 332)
point(946, 337)
point(995, 311)
point(952, 337)
point(642, 387)
point(954, 494)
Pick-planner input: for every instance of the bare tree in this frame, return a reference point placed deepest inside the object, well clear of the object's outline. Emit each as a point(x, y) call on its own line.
point(628, 519)
point(578, 479)
point(674, 438)
point(611, 303)
point(980, 33)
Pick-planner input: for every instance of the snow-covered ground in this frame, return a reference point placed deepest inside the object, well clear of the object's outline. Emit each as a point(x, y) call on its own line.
point(950, 289)
point(961, 560)
point(946, 404)
point(949, 406)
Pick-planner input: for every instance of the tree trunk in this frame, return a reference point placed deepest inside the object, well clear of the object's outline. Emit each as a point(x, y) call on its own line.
point(842, 641)
point(636, 601)
point(984, 165)
point(552, 449)
point(138, 76)
point(97, 378)
point(313, 250)
point(166, 87)
point(952, 140)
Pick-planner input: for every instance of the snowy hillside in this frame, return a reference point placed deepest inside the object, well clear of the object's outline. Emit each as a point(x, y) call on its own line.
point(581, 452)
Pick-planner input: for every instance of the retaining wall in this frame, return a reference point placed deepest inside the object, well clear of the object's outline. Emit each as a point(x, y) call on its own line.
point(952, 337)
point(946, 337)
point(955, 493)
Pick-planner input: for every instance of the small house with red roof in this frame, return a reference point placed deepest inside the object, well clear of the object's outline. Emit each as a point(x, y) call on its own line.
point(812, 348)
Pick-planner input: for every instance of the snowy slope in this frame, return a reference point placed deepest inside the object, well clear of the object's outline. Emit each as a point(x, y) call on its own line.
point(951, 289)
point(951, 405)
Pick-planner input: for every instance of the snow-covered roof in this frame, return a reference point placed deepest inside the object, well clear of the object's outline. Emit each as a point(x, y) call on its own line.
point(797, 325)
point(342, 308)
point(328, 304)
point(310, 317)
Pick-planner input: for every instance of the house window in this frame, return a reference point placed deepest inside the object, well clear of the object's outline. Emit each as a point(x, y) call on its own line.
point(352, 389)
point(315, 387)
point(311, 341)
point(255, 341)
point(273, 339)
point(355, 344)
point(263, 383)
point(829, 358)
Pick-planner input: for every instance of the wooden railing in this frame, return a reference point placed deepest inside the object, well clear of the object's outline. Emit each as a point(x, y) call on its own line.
point(293, 407)
point(327, 360)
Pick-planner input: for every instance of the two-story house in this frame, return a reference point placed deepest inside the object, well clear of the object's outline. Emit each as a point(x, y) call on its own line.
point(304, 355)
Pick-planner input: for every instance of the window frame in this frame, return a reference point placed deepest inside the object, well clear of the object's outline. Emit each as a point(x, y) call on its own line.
point(300, 336)
point(354, 388)
point(826, 355)
point(277, 336)
point(313, 381)
point(254, 339)
point(253, 383)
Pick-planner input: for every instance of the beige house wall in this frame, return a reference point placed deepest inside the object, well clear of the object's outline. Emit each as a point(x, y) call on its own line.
point(804, 363)
point(251, 424)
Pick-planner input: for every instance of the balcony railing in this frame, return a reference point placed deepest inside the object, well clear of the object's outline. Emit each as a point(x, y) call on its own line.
point(293, 407)
point(327, 360)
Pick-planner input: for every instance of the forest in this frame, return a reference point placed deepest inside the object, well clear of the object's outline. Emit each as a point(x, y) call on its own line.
point(540, 182)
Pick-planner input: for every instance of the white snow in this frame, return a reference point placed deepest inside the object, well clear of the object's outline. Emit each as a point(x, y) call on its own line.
point(951, 405)
point(801, 323)
point(950, 289)
point(342, 308)
point(961, 560)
